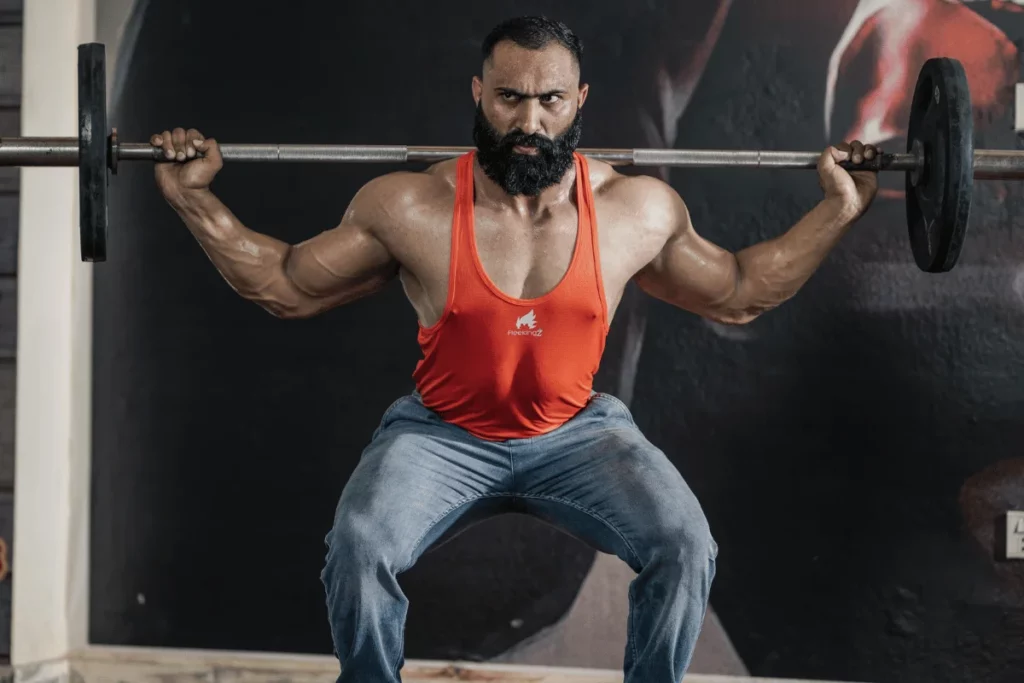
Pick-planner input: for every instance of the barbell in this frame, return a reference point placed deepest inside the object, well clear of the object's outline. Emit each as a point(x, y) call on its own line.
point(940, 163)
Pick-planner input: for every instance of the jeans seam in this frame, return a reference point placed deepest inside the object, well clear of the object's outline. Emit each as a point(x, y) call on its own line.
point(387, 413)
point(454, 506)
point(592, 514)
point(396, 668)
point(469, 499)
point(632, 627)
point(512, 466)
point(448, 511)
point(616, 401)
point(391, 408)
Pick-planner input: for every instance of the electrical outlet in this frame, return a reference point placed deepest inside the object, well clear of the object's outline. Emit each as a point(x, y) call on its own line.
point(1015, 535)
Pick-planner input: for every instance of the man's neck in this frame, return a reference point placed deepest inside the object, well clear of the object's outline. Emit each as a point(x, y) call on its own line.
point(489, 191)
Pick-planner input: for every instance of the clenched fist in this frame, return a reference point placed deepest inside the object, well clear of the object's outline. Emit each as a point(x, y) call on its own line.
point(192, 161)
point(855, 189)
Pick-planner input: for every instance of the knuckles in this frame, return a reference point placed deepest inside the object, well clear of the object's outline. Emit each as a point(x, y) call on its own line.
point(177, 136)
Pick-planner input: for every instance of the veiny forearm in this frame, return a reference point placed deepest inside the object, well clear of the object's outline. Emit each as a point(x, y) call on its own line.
point(773, 271)
point(252, 263)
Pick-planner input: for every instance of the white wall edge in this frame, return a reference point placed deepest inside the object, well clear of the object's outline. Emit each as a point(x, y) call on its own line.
point(54, 369)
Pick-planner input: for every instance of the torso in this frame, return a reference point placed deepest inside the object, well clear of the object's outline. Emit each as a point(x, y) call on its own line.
point(523, 257)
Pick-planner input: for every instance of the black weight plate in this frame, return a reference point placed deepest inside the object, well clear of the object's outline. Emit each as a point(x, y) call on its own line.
point(92, 151)
point(939, 198)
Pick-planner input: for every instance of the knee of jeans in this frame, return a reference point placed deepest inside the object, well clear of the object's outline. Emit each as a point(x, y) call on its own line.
point(353, 546)
point(687, 542)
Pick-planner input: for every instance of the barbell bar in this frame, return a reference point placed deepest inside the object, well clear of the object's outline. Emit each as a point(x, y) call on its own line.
point(36, 151)
point(940, 163)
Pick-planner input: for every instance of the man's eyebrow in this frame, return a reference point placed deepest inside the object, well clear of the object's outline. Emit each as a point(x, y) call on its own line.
point(523, 95)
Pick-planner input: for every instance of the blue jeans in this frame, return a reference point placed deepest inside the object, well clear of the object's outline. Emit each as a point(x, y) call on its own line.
point(596, 477)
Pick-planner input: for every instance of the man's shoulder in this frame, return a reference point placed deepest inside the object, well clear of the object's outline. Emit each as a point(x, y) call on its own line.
point(608, 181)
point(413, 188)
point(648, 198)
point(405, 205)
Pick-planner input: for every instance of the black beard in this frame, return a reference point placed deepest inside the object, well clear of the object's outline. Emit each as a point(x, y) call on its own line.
point(524, 174)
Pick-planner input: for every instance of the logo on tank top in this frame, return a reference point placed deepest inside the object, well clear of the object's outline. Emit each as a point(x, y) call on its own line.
point(529, 322)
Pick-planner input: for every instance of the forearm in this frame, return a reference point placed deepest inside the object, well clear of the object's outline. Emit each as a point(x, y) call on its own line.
point(773, 271)
point(253, 264)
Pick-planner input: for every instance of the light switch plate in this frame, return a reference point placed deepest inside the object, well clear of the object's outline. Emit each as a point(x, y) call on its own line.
point(1018, 108)
point(1015, 535)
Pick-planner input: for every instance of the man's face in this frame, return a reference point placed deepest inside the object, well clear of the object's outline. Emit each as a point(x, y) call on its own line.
point(528, 120)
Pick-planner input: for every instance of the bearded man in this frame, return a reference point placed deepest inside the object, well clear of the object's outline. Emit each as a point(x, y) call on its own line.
point(514, 257)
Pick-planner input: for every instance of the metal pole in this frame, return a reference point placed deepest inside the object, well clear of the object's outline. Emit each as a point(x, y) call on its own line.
point(38, 151)
point(988, 164)
point(994, 164)
point(679, 158)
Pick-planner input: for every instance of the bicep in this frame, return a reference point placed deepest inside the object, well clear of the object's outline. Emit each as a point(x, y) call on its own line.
point(345, 258)
point(350, 260)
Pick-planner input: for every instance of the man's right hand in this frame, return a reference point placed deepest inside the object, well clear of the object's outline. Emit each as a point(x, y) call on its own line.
point(192, 162)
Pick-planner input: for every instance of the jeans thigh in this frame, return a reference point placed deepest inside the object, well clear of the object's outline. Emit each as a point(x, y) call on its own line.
point(604, 483)
point(416, 481)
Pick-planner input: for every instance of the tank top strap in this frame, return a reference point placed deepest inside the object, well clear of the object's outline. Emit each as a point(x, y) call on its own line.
point(463, 197)
point(463, 243)
point(588, 228)
point(462, 211)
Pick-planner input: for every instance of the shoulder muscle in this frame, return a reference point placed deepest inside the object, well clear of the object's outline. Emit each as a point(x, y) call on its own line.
point(652, 205)
point(395, 198)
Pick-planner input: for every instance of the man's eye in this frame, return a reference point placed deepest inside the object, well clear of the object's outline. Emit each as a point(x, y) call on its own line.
point(509, 96)
point(549, 99)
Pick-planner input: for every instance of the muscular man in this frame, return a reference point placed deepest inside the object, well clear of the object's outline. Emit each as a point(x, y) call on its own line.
point(514, 257)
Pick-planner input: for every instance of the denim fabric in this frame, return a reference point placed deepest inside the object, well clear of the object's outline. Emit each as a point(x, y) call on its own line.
point(421, 480)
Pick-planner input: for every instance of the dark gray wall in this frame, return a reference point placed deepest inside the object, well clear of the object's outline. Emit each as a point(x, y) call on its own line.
point(833, 443)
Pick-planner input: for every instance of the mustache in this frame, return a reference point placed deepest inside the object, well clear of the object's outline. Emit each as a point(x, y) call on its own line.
point(517, 138)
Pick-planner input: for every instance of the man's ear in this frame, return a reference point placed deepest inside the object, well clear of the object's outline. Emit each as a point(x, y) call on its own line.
point(584, 89)
point(478, 90)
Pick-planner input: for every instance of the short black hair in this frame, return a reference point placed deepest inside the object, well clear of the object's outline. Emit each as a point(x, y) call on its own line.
point(534, 33)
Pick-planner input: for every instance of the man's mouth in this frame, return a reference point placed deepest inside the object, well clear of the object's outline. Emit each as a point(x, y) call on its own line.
point(522, 149)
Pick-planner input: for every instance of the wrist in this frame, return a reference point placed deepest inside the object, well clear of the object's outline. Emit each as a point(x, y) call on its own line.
point(187, 196)
point(202, 212)
point(190, 200)
point(841, 209)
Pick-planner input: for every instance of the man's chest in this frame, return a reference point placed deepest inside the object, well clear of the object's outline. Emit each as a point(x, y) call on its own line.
point(527, 257)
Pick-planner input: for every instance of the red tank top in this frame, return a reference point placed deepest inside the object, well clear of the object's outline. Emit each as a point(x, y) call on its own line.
point(506, 368)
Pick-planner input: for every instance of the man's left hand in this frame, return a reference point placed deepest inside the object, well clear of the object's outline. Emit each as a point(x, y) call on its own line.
point(853, 189)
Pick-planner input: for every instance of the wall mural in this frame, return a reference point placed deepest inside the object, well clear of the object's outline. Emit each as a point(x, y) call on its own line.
point(851, 449)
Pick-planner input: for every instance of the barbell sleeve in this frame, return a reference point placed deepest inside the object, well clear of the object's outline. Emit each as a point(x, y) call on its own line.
point(996, 164)
point(39, 151)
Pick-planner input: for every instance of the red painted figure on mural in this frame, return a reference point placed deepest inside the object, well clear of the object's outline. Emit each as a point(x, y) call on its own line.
point(898, 36)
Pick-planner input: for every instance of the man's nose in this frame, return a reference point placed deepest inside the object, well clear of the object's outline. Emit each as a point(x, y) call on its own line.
point(528, 116)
